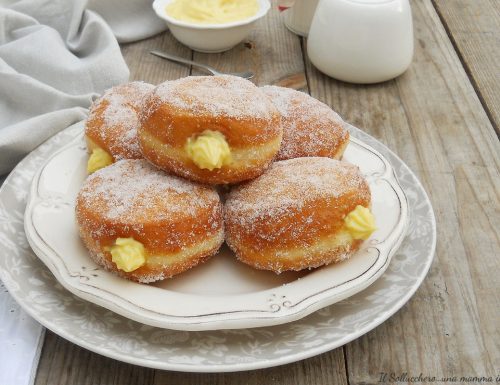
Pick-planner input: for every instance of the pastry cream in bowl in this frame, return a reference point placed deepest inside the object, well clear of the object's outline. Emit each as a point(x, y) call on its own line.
point(212, 11)
point(211, 25)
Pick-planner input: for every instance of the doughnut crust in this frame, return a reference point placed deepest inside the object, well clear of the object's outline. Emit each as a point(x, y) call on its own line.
point(180, 110)
point(178, 222)
point(113, 121)
point(310, 128)
point(292, 216)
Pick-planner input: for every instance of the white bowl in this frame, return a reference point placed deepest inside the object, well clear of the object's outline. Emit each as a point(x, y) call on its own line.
point(210, 37)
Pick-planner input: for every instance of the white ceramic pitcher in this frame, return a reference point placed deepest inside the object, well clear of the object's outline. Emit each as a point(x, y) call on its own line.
point(361, 41)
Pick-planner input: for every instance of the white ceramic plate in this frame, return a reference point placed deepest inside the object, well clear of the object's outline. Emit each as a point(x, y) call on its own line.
point(200, 299)
point(106, 333)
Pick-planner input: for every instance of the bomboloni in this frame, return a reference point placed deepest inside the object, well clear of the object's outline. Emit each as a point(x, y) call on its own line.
point(210, 129)
point(111, 128)
point(145, 225)
point(301, 213)
point(310, 128)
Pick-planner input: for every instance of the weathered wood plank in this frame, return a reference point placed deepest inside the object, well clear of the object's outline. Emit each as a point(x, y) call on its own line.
point(433, 119)
point(65, 363)
point(62, 362)
point(152, 69)
point(271, 51)
point(474, 28)
point(324, 369)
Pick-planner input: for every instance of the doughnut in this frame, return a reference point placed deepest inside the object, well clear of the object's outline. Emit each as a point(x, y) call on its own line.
point(301, 213)
point(145, 225)
point(210, 129)
point(111, 128)
point(310, 128)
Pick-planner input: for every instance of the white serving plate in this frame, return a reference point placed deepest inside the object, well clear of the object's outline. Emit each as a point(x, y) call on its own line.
point(102, 331)
point(223, 293)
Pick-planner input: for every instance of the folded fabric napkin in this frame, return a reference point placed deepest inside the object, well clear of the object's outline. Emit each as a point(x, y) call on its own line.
point(56, 56)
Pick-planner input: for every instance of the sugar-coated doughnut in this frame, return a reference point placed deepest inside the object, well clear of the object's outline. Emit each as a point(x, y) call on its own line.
point(301, 213)
point(310, 127)
point(145, 225)
point(211, 129)
point(111, 128)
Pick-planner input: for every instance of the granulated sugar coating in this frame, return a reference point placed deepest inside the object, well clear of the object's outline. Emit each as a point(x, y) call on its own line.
point(288, 185)
point(310, 128)
point(113, 120)
point(178, 222)
point(177, 112)
point(134, 191)
point(291, 217)
point(225, 96)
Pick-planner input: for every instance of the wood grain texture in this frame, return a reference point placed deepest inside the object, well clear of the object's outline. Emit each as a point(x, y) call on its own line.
point(152, 69)
point(272, 52)
point(433, 119)
point(323, 369)
point(65, 363)
point(62, 362)
point(474, 27)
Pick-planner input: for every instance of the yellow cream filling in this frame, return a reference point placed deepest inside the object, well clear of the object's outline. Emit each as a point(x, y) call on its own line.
point(351, 230)
point(212, 11)
point(209, 150)
point(98, 159)
point(163, 260)
point(360, 223)
point(241, 158)
point(128, 254)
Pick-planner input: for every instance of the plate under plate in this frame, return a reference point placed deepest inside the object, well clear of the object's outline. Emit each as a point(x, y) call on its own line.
point(102, 331)
point(222, 293)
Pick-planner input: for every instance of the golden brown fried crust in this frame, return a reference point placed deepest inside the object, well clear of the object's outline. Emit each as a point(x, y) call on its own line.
point(310, 127)
point(113, 120)
point(108, 138)
point(165, 221)
point(159, 236)
point(270, 261)
point(277, 213)
point(185, 167)
point(172, 115)
point(143, 273)
point(174, 127)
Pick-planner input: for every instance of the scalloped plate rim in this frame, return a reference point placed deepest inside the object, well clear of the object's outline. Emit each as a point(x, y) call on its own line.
point(63, 327)
point(226, 319)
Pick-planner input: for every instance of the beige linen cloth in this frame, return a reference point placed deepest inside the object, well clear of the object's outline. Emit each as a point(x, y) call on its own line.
point(56, 56)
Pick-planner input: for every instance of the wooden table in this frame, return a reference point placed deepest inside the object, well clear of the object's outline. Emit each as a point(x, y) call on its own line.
point(441, 117)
